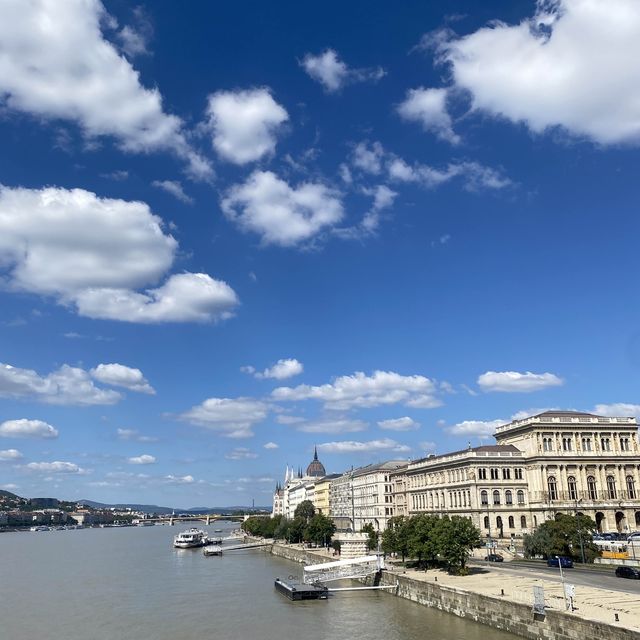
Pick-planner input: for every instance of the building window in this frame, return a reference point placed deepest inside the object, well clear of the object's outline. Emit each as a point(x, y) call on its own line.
point(508, 497)
point(484, 497)
point(511, 523)
point(495, 473)
point(482, 474)
point(518, 474)
point(591, 488)
point(567, 444)
point(605, 444)
point(523, 522)
point(486, 522)
point(552, 487)
point(547, 444)
point(496, 497)
point(624, 444)
point(586, 444)
point(520, 496)
point(573, 489)
point(506, 474)
point(611, 487)
point(631, 487)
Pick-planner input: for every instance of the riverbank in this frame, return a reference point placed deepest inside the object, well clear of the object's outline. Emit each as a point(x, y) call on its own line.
point(479, 597)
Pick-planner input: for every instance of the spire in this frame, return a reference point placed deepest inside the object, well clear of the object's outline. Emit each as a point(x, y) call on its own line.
point(315, 452)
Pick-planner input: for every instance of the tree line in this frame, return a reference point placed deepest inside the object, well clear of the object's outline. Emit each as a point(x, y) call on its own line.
point(565, 535)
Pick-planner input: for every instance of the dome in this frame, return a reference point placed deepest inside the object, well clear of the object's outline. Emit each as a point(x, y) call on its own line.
point(316, 468)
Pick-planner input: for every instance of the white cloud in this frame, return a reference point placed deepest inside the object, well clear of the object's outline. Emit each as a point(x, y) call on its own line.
point(574, 64)
point(9, 454)
point(368, 157)
point(617, 409)
point(475, 428)
point(145, 458)
point(428, 446)
point(513, 381)
point(284, 368)
point(245, 124)
point(66, 386)
point(118, 375)
point(360, 390)
point(281, 214)
point(174, 188)
point(171, 479)
point(383, 198)
point(399, 424)
point(241, 453)
point(9, 487)
point(372, 446)
point(429, 108)
point(271, 445)
point(133, 434)
point(231, 417)
point(55, 64)
point(55, 467)
point(333, 74)
point(92, 253)
point(24, 428)
point(285, 419)
point(340, 425)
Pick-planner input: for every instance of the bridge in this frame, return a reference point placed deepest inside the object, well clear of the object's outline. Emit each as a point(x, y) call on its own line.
point(207, 518)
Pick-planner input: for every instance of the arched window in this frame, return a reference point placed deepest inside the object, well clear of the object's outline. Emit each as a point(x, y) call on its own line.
point(520, 496)
point(486, 522)
point(631, 487)
point(592, 488)
point(499, 524)
point(573, 489)
point(496, 497)
point(508, 497)
point(552, 486)
point(523, 522)
point(547, 444)
point(535, 521)
point(511, 523)
point(484, 497)
point(611, 487)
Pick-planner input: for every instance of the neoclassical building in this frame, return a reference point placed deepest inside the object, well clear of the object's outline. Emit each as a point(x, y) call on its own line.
point(550, 463)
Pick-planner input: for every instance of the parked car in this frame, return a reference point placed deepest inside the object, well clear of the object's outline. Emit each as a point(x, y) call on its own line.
point(494, 557)
point(628, 572)
point(563, 561)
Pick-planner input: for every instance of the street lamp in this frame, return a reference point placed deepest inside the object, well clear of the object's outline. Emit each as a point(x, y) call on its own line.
point(564, 592)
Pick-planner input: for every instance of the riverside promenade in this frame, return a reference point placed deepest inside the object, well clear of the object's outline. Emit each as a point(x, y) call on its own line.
point(504, 601)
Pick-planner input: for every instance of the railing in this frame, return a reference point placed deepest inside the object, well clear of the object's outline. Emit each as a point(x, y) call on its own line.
point(566, 420)
point(583, 496)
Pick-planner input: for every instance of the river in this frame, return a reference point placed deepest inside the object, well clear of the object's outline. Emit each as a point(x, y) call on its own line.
point(129, 583)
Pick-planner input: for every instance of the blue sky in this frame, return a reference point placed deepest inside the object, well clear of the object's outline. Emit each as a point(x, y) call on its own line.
point(231, 233)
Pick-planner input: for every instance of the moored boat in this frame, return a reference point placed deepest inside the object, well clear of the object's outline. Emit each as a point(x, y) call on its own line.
point(190, 538)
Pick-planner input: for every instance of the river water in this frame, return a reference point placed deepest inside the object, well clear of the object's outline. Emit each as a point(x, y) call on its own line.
point(129, 583)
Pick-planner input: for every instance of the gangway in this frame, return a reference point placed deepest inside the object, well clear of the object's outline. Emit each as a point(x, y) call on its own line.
point(343, 569)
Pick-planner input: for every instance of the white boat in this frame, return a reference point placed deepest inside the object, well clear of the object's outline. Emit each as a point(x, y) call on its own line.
point(190, 538)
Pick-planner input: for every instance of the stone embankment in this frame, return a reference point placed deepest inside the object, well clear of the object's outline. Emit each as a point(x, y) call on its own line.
point(476, 598)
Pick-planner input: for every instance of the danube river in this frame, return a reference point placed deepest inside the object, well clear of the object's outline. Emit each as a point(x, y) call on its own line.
point(130, 583)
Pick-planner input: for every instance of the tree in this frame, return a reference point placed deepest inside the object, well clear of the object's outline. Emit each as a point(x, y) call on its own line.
point(305, 510)
point(456, 536)
point(566, 535)
point(320, 529)
point(395, 538)
point(423, 543)
point(295, 532)
point(372, 542)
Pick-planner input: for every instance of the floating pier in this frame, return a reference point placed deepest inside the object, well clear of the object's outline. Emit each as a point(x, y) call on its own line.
point(296, 591)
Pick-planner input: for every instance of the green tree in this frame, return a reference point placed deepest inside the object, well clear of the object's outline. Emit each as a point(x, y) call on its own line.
point(566, 535)
point(319, 530)
point(396, 537)
point(456, 537)
point(423, 540)
point(372, 542)
point(296, 528)
point(305, 510)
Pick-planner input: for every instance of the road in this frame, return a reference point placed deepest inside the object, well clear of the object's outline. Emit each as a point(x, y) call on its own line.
point(593, 577)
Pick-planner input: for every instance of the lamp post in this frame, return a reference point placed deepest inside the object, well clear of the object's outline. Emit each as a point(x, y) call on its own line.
point(564, 593)
point(580, 532)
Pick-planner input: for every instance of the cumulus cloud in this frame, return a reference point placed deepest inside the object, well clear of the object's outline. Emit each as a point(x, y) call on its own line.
point(284, 368)
point(245, 124)
point(279, 213)
point(333, 74)
point(134, 435)
point(371, 446)
point(7, 455)
point(399, 424)
point(24, 428)
point(513, 381)
point(118, 375)
point(145, 458)
point(241, 453)
point(56, 466)
point(171, 479)
point(617, 409)
point(429, 108)
point(572, 65)
point(174, 188)
point(66, 386)
point(92, 253)
point(231, 417)
point(271, 445)
point(368, 157)
point(360, 390)
point(55, 64)
point(475, 428)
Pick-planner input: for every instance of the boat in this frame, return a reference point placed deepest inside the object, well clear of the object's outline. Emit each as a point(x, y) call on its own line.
point(212, 551)
point(295, 591)
point(40, 528)
point(190, 538)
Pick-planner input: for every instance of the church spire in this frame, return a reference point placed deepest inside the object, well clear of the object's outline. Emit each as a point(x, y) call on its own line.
point(315, 452)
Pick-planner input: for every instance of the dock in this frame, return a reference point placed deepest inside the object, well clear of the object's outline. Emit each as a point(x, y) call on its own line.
point(301, 591)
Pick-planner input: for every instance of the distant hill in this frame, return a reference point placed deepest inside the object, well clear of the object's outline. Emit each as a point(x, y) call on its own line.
point(154, 508)
point(8, 494)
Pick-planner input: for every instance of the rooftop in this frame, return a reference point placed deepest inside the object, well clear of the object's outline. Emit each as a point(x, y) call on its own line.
point(566, 417)
point(498, 450)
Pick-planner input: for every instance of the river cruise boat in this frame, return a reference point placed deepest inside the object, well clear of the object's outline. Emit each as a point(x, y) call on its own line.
point(191, 538)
